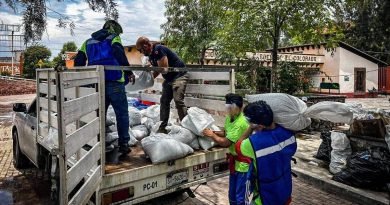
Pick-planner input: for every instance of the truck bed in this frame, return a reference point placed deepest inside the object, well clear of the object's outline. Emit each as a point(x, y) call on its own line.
point(136, 159)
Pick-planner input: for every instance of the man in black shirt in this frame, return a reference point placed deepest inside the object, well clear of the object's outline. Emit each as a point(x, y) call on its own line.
point(175, 83)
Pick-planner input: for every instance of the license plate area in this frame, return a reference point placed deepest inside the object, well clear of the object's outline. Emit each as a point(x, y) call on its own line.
point(177, 177)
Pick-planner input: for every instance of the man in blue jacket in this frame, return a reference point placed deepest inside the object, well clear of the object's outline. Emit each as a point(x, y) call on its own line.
point(271, 147)
point(105, 48)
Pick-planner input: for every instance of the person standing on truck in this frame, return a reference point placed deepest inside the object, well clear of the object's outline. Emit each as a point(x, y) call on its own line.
point(235, 127)
point(175, 83)
point(271, 148)
point(105, 48)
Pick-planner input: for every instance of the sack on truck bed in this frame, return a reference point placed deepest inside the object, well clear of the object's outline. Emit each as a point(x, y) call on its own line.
point(162, 148)
point(292, 113)
point(183, 135)
point(140, 131)
point(134, 116)
point(197, 120)
point(153, 112)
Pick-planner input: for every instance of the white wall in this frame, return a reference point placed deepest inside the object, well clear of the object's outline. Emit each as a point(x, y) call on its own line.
point(330, 67)
point(348, 62)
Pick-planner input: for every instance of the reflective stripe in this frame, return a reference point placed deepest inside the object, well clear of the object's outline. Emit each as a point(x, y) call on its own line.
point(275, 148)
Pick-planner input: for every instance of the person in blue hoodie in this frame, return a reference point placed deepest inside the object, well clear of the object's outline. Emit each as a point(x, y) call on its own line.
point(105, 48)
point(271, 147)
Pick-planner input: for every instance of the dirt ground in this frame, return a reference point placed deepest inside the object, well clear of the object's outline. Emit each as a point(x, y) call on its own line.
point(16, 87)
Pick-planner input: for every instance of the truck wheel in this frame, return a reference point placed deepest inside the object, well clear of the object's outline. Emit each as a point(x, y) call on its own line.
point(20, 161)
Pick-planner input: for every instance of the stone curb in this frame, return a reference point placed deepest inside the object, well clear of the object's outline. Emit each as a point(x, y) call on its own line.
point(344, 191)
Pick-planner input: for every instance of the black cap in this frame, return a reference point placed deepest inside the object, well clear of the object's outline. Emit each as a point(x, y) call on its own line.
point(232, 98)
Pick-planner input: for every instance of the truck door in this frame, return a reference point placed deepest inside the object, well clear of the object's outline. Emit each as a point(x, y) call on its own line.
point(28, 141)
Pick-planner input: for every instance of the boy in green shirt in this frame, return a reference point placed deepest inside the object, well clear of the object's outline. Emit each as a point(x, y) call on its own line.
point(235, 127)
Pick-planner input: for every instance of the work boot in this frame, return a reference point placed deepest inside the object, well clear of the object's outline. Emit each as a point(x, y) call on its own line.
point(162, 130)
point(124, 149)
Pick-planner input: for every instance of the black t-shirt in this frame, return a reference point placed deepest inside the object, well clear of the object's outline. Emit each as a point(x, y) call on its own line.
point(158, 52)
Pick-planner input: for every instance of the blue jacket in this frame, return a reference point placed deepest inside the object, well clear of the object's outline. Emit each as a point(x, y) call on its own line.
point(274, 150)
point(104, 48)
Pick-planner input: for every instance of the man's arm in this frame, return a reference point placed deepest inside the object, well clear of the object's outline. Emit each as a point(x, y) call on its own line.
point(80, 59)
point(163, 63)
point(221, 141)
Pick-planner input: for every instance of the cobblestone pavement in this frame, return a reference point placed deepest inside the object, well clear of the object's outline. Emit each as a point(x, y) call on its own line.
point(32, 187)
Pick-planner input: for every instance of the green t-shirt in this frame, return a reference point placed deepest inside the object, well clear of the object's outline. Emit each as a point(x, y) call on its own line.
point(116, 39)
point(247, 151)
point(234, 130)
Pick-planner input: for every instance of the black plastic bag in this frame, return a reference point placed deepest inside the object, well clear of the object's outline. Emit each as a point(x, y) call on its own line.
point(325, 148)
point(367, 169)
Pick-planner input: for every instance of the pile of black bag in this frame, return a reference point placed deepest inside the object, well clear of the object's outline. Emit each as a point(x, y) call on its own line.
point(367, 169)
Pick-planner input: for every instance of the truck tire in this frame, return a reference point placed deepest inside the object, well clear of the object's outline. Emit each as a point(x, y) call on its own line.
point(20, 160)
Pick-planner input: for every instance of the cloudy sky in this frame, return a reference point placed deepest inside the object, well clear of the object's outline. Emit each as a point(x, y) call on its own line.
point(137, 17)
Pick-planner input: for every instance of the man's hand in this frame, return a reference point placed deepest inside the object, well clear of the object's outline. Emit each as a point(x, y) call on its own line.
point(132, 78)
point(208, 132)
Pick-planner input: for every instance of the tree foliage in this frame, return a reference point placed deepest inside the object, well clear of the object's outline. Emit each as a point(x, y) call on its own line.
point(191, 27)
point(35, 15)
point(32, 55)
point(262, 24)
point(366, 25)
point(68, 46)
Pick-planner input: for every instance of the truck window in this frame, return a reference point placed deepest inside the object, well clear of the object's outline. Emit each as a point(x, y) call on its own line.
point(32, 110)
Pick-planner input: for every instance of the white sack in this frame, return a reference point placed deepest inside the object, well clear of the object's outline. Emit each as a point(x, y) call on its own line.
point(341, 150)
point(183, 135)
point(162, 148)
point(140, 131)
point(133, 141)
point(330, 111)
point(292, 113)
point(197, 120)
point(205, 142)
point(111, 128)
point(155, 127)
point(153, 112)
point(143, 80)
point(134, 116)
point(148, 122)
point(111, 118)
point(111, 137)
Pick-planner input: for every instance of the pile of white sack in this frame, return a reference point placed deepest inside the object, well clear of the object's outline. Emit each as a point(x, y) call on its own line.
point(181, 140)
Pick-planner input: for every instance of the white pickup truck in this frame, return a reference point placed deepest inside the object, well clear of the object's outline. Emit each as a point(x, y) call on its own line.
point(63, 131)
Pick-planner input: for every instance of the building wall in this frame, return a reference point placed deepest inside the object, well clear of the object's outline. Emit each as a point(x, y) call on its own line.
point(348, 62)
point(133, 56)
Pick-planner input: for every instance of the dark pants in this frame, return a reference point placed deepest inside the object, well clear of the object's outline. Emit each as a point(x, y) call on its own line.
point(173, 90)
point(116, 96)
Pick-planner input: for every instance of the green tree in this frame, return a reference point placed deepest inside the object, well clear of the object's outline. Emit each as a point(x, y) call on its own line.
point(32, 55)
point(190, 27)
point(367, 26)
point(68, 46)
point(262, 24)
point(35, 13)
point(293, 79)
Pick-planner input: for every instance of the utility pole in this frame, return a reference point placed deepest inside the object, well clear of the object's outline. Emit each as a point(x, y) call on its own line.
point(10, 28)
point(12, 52)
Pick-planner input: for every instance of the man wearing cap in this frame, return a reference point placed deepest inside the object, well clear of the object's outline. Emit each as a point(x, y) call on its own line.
point(271, 148)
point(105, 48)
point(235, 127)
point(175, 83)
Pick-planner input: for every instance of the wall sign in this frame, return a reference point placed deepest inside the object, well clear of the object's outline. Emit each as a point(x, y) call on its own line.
point(288, 57)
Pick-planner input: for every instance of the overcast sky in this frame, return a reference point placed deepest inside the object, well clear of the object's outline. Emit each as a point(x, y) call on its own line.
point(137, 17)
